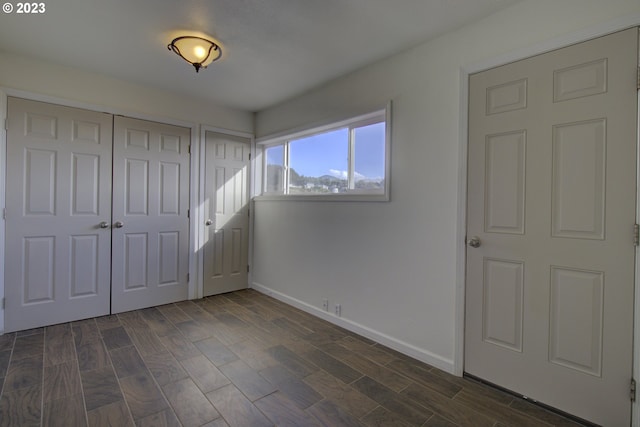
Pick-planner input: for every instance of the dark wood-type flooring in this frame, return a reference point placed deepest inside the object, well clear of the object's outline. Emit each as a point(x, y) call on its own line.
point(239, 359)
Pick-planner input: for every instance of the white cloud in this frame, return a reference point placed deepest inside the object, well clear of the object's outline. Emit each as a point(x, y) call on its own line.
point(344, 175)
point(339, 174)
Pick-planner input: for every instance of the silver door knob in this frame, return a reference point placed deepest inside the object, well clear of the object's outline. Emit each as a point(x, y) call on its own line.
point(208, 222)
point(104, 224)
point(474, 242)
point(118, 224)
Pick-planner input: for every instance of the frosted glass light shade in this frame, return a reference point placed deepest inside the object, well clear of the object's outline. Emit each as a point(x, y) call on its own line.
point(197, 51)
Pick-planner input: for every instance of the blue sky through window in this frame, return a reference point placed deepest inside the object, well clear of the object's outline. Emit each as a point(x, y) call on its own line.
point(319, 163)
point(323, 154)
point(275, 155)
point(327, 153)
point(369, 151)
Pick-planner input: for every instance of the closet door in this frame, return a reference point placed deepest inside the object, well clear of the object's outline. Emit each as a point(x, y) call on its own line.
point(150, 251)
point(226, 251)
point(58, 241)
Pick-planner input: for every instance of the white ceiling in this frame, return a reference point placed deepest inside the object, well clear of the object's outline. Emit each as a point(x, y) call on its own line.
point(272, 49)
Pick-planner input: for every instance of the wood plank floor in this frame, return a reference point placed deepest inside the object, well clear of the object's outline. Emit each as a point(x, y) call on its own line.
point(239, 359)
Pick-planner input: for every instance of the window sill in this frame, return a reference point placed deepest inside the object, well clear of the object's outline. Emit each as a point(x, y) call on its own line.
point(355, 197)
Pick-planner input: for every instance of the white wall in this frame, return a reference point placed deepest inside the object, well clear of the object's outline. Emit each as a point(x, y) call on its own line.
point(392, 266)
point(82, 87)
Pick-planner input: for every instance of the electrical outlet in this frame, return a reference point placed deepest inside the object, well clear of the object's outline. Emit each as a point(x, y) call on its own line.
point(338, 310)
point(325, 304)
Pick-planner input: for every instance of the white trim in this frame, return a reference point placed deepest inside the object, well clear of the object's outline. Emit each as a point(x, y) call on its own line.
point(195, 260)
point(379, 337)
point(224, 131)
point(350, 196)
point(461, 228)
point(387, 151)
point(526, 52)
point(6, 92)
point(635, 407)
point(198, 213)
point(3, 173)
point(198, 217)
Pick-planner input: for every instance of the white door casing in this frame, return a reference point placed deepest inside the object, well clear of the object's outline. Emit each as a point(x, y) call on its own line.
point(551, 195)
point(150, 252)
point(57, 266)
point(226, 213)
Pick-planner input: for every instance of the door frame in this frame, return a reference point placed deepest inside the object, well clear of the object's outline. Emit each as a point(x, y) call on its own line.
point(635, 414)
point(461, 222)
point(199, 217)
point(194, 201)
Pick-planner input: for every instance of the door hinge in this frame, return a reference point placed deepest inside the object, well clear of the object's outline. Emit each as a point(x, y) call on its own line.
point(188, 213)
point(3, 300)
point(636, 234)
point(188, 277)
point(6, 124)
point(247, 268)
point(632, 390)
point(4, 213)
point(189, 148)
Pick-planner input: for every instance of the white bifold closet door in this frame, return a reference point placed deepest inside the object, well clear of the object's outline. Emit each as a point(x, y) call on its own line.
point(66, 256)
point(150, 220)
point(58, 258)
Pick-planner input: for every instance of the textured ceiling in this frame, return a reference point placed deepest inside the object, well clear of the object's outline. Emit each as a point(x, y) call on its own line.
point(272, 49)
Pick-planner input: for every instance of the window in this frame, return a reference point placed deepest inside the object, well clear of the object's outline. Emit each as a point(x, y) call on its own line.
point(318, 163)
point(274, 157)
point(332, 162)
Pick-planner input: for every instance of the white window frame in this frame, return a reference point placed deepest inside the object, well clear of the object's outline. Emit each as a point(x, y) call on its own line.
point(381, 115)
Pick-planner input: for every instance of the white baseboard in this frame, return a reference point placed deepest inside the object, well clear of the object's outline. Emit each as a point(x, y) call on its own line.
point(400, 346)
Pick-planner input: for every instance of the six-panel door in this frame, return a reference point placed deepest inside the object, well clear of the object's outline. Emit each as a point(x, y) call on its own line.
point(150, 255)
point(97, 214)
point(226, 212)
point(552, 197)
point(57, 265)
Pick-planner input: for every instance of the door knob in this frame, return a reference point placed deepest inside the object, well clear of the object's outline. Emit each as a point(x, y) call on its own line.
point(118, 224)
point(474, 242)
point(104, 224)
point(208, 222)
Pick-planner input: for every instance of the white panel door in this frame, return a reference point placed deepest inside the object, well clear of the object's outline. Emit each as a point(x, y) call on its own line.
point(57, 265)
point(551, 201)
point(226, 212)
point(150, 250)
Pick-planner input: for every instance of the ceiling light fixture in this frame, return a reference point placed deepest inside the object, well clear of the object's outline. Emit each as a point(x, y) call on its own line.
point(197, 51)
